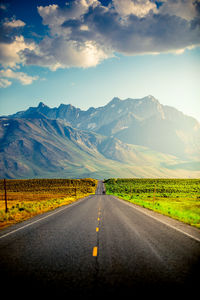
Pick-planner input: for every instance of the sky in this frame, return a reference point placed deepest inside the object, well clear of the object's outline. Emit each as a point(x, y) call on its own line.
point(85, 52)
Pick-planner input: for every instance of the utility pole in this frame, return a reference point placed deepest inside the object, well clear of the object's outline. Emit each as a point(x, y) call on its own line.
point(6, 206)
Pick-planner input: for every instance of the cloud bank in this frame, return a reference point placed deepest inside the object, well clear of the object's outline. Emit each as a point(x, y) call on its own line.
point(20, 76)
point(12, 42)
point(82, 33)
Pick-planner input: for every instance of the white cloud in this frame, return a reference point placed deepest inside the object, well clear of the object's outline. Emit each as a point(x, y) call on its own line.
point(4, 83)
point(185, 9)
point(54, 16)
point(84, 27)
point(10, 52)
point(20, 76)
point(60, 53)
point(84, 32)
point(11, 59)
point(61, 49)
point(14, 23)
point(139, 8)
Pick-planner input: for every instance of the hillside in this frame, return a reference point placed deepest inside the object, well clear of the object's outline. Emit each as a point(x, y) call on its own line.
point(143, 122)
point(125, 138)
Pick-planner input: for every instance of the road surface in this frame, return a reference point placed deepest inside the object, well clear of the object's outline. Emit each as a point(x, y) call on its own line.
point(98, 246)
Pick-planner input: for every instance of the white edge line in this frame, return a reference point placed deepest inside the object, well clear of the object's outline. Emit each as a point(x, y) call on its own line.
point(49, 215)
point(169, 225)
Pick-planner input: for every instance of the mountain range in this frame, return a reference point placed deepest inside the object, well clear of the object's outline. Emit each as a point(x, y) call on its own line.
point(125, 138)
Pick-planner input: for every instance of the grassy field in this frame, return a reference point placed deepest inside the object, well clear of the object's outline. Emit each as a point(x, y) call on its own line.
point(177, 198)
point(27, 198)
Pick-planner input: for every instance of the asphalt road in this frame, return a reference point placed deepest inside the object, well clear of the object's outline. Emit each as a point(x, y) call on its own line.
point(98, 246)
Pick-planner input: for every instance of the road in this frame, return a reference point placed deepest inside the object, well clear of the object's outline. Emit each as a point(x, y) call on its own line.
point(97, 246)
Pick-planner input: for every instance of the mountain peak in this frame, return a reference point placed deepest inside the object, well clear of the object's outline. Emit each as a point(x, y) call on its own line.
point(41, 105)
point(114, 100)
point(152, 98)
point(66, 106)
point(62, 105)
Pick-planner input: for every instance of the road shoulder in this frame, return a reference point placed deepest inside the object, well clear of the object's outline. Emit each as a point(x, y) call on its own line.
point(186, 229)
point(37, 218)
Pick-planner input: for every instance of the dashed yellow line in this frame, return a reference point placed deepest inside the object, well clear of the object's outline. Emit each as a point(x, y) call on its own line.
point(95, 251)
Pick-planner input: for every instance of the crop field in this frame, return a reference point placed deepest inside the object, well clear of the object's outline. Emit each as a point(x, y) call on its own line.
point(177, 198)
point(27, 198)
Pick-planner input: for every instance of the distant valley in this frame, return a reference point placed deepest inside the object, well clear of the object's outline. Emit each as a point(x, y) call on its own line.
point(125, 138)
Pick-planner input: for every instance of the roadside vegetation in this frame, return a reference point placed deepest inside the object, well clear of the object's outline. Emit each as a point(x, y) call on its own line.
point(27, 198)
point(177, 198)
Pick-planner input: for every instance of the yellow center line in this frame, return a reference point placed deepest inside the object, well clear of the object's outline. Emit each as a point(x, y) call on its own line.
point(95, 250)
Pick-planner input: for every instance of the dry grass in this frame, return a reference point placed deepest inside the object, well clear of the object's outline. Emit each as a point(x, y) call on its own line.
point(27, 198)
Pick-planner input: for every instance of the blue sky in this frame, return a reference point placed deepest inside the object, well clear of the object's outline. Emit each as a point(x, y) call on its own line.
point(86, 52)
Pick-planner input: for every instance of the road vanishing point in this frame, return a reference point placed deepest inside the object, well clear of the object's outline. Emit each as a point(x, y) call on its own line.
point(99, 246)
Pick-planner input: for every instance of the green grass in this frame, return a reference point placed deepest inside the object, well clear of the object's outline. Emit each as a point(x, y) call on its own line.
point(177, 198)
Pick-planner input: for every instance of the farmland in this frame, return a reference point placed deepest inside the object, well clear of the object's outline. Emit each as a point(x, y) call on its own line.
point(29, 197)
point(177, 198)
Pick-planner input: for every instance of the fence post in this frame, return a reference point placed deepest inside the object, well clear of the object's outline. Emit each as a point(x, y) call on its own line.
point(6, 206)
point(154, 196)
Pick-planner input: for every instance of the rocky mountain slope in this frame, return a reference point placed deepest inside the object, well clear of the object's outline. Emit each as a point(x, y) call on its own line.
point(143, 122)
point(125, 138)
